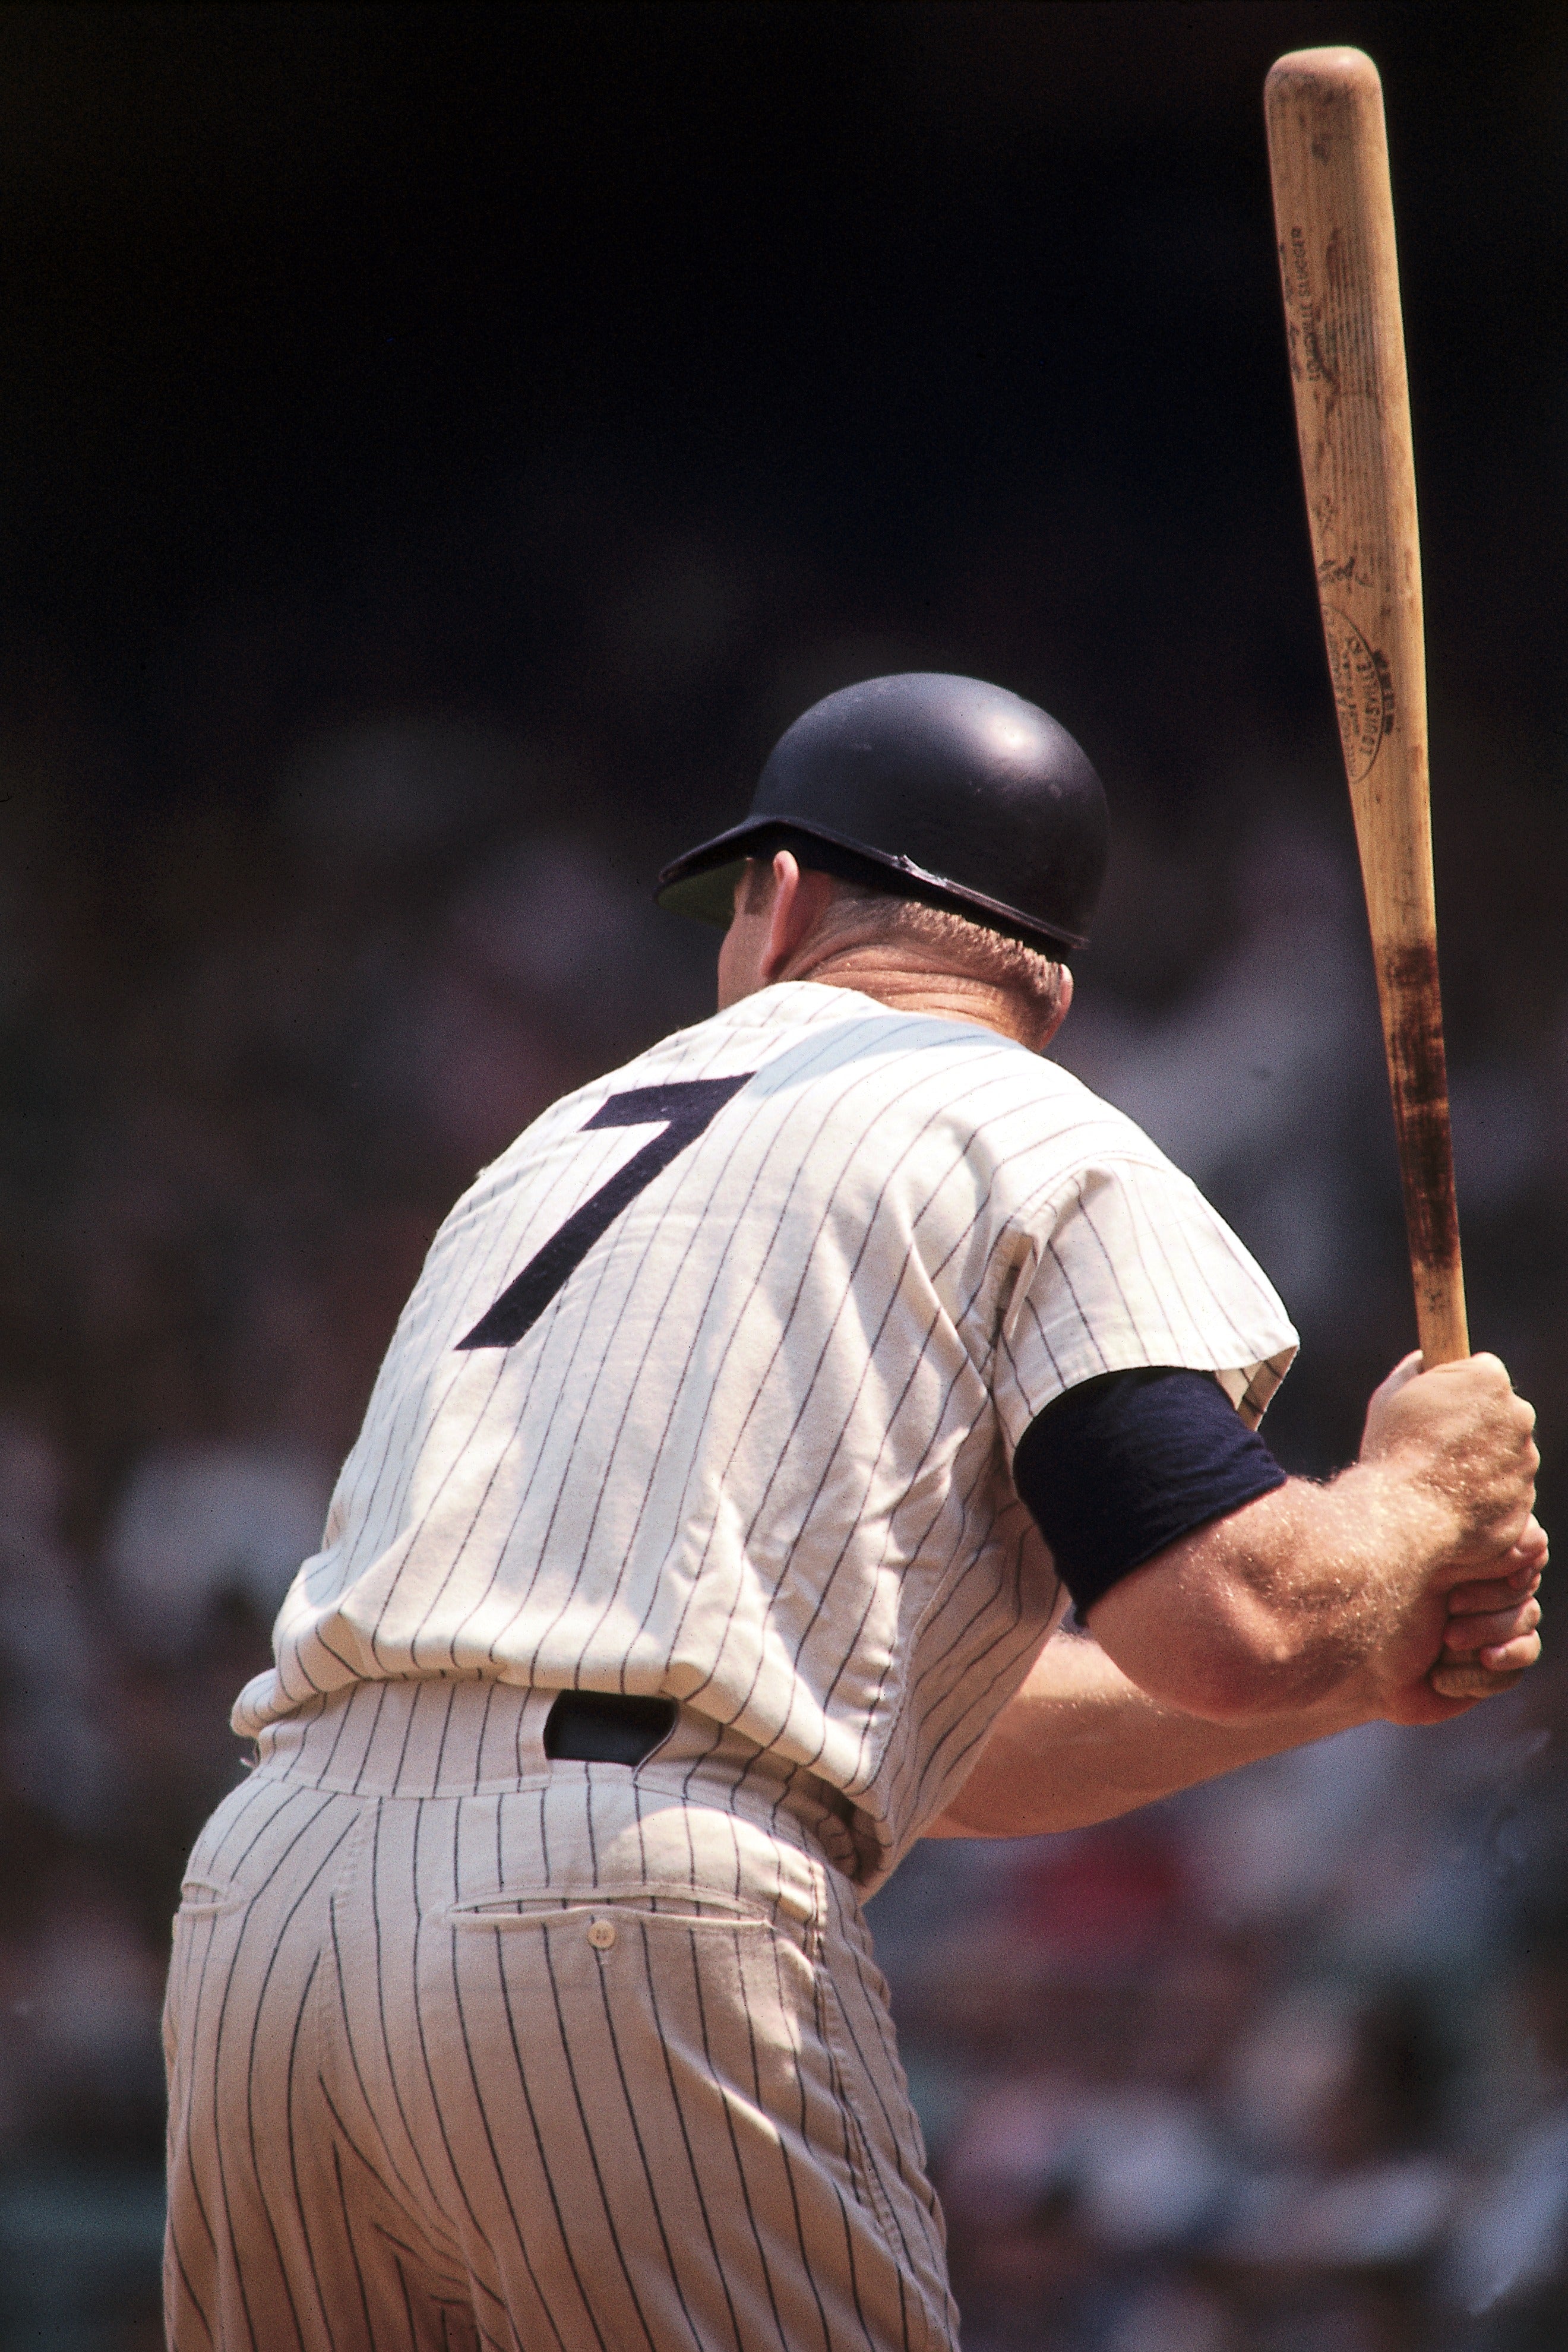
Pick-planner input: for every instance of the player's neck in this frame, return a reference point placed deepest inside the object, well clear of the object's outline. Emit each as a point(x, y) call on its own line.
point(905, 985)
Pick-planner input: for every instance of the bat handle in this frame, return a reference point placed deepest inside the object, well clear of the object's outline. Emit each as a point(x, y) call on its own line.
point(1419, 1080)
point(1444, 1340)
point(1442, 1326)
point(1411, 1008)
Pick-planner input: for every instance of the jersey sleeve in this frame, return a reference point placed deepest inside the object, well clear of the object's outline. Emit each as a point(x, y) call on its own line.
point(1121, 1467)
point(1127, 1265)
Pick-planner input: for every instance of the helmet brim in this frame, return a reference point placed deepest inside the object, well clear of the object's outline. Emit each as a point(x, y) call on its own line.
point(701, 884)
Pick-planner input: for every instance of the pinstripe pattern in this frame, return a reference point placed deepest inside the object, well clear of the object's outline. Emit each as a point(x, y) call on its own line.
point(754, 1452)
point(470, 2048)
point(414, 2103)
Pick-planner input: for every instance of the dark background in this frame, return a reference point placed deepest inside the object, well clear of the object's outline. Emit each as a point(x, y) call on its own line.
point(440, 449)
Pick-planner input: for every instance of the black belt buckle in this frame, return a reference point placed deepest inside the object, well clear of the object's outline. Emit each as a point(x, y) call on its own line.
point(604, 1727)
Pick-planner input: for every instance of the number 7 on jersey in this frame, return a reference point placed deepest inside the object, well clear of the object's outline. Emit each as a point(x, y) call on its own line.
point(686, 1107)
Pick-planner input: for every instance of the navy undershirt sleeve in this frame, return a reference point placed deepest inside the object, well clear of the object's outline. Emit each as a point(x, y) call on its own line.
point(1121, 1467)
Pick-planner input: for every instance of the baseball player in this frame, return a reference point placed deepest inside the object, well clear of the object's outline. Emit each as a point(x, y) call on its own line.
point(756, 1419)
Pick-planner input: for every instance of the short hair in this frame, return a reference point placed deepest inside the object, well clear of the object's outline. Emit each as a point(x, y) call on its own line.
point(964, 943)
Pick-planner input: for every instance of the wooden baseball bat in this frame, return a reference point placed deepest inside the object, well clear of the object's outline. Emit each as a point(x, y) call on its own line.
point(1334, 212)
point(1333, 209)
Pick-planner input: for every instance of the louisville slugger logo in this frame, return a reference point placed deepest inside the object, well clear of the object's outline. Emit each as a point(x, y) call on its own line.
point(1363, 691)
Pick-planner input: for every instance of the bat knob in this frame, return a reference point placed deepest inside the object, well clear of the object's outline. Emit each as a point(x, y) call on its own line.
point(1471, 1681)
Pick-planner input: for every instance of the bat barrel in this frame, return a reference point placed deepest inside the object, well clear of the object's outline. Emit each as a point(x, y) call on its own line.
point(1339, 275)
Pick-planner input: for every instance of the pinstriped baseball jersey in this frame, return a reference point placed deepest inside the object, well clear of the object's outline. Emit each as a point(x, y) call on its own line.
point(711, 1381)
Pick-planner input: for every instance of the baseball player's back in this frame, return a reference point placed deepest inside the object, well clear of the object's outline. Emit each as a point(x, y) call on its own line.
point(703, 1407)
point(709, 1388)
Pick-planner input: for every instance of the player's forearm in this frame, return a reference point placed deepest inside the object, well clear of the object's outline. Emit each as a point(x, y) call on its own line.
point(1309, 1593)
point(1286, 1602)
point(1080, 1743)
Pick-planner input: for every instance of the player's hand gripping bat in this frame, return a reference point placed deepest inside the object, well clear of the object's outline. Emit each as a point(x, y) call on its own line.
point(1332, 205)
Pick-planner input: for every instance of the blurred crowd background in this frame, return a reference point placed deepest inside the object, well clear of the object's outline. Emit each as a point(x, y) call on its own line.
point(440, 449)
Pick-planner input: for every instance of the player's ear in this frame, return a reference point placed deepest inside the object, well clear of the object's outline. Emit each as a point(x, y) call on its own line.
point(799, 901)
point(1064, 1006)
point(780, 940)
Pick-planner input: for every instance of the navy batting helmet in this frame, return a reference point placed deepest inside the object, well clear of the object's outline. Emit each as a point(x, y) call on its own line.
point(930, 787)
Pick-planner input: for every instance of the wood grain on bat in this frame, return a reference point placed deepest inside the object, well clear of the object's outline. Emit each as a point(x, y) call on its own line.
point(1333, 211)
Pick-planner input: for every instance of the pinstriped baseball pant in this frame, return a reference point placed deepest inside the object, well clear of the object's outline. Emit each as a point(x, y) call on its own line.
point(467, 2048)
